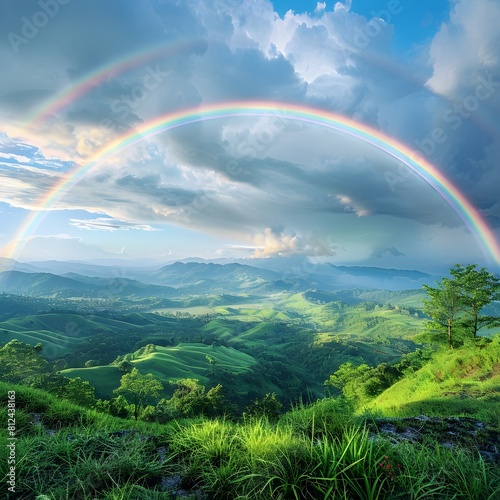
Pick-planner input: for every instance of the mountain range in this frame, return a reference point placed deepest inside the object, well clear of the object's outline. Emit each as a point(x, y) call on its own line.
point(256, 276)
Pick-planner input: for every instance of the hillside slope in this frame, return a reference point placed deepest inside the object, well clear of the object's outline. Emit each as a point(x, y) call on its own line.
point(465, 381)
point(185, 360)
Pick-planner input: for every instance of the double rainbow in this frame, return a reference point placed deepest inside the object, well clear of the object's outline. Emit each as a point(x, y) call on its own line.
point(428, 172)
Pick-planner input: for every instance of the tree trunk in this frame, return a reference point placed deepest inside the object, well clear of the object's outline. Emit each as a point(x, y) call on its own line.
point(450, 339)
point(475, 323)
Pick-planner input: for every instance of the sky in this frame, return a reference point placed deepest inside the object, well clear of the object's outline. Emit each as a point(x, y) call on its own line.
point(79, 74)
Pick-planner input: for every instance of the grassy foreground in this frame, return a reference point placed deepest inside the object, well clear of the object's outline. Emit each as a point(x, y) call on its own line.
point(465, 381)
point(319, 451)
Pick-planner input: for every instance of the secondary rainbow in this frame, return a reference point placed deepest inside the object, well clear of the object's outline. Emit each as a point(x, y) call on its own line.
point(92, 79)
point(430, 173)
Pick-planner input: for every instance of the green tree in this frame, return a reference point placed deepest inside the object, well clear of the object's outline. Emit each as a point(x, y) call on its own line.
point(53, 382)
point(138, 389)
point(215, 402)
point(125, 366)
point(269, 407)
point(349, 378)
point(19, 361)
point(444, 305)
point(119, 407)
point(163, 411)
point(477, 289)
point(212, 361)
point(188, 398)
point(80, 392)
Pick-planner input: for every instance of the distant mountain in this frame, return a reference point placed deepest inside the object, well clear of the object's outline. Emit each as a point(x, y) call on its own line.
point(198, 276)
point(74, 285)
point(13, 265)
point(329, 277)
point(377, 277)
point(111, 270)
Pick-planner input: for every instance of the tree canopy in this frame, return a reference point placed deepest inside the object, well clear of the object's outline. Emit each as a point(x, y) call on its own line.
point(455, 304)
point(138, 389)
point(19, 361)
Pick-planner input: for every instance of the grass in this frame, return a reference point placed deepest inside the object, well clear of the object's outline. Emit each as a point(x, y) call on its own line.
point(465, 381)
point(318, 451)
point(186, 360)
point(257, 460)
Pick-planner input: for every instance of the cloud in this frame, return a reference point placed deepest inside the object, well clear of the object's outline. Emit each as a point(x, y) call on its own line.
point(466, 45)
point(382, 252)
point(108, 224)
point(278, 242)
point(320, 6)
point(240, 176)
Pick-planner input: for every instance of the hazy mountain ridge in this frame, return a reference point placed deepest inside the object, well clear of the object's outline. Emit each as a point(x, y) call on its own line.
point(73, 285)
point(196, 278)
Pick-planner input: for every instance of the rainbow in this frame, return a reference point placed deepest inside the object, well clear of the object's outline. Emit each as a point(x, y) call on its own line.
point(90, 80)
point(431, 174)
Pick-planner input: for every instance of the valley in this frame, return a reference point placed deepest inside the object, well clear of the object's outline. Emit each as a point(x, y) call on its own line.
point(197, 357)
point(266, 333)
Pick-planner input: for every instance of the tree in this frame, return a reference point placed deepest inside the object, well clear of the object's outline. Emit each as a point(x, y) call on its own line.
point(80, 392)
point(269, 407)
point(19, 361)
point(125, 366)
point(138, 389)
point(350, 379)
point(444, 306)
point(212, 361)
point(456, 303)
point(478, 288)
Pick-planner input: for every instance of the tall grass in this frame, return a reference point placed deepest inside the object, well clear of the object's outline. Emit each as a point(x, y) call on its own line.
point(314, 452)
point(76, 466)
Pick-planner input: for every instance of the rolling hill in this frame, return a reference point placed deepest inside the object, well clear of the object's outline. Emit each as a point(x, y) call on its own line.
point(185, 360)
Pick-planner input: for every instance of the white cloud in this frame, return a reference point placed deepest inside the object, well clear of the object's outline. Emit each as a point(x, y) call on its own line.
point(466, 45)
point(278, 242)
point(108, 224)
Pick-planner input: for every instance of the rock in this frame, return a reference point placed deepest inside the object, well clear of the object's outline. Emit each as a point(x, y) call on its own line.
point(449, 432)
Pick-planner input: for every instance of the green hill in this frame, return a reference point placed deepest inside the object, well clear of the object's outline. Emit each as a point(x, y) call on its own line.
point(60, 333)
point(465, 381)
point(185, 360)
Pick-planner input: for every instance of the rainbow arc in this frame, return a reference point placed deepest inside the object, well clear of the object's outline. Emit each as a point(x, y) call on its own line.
point(161, 124)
